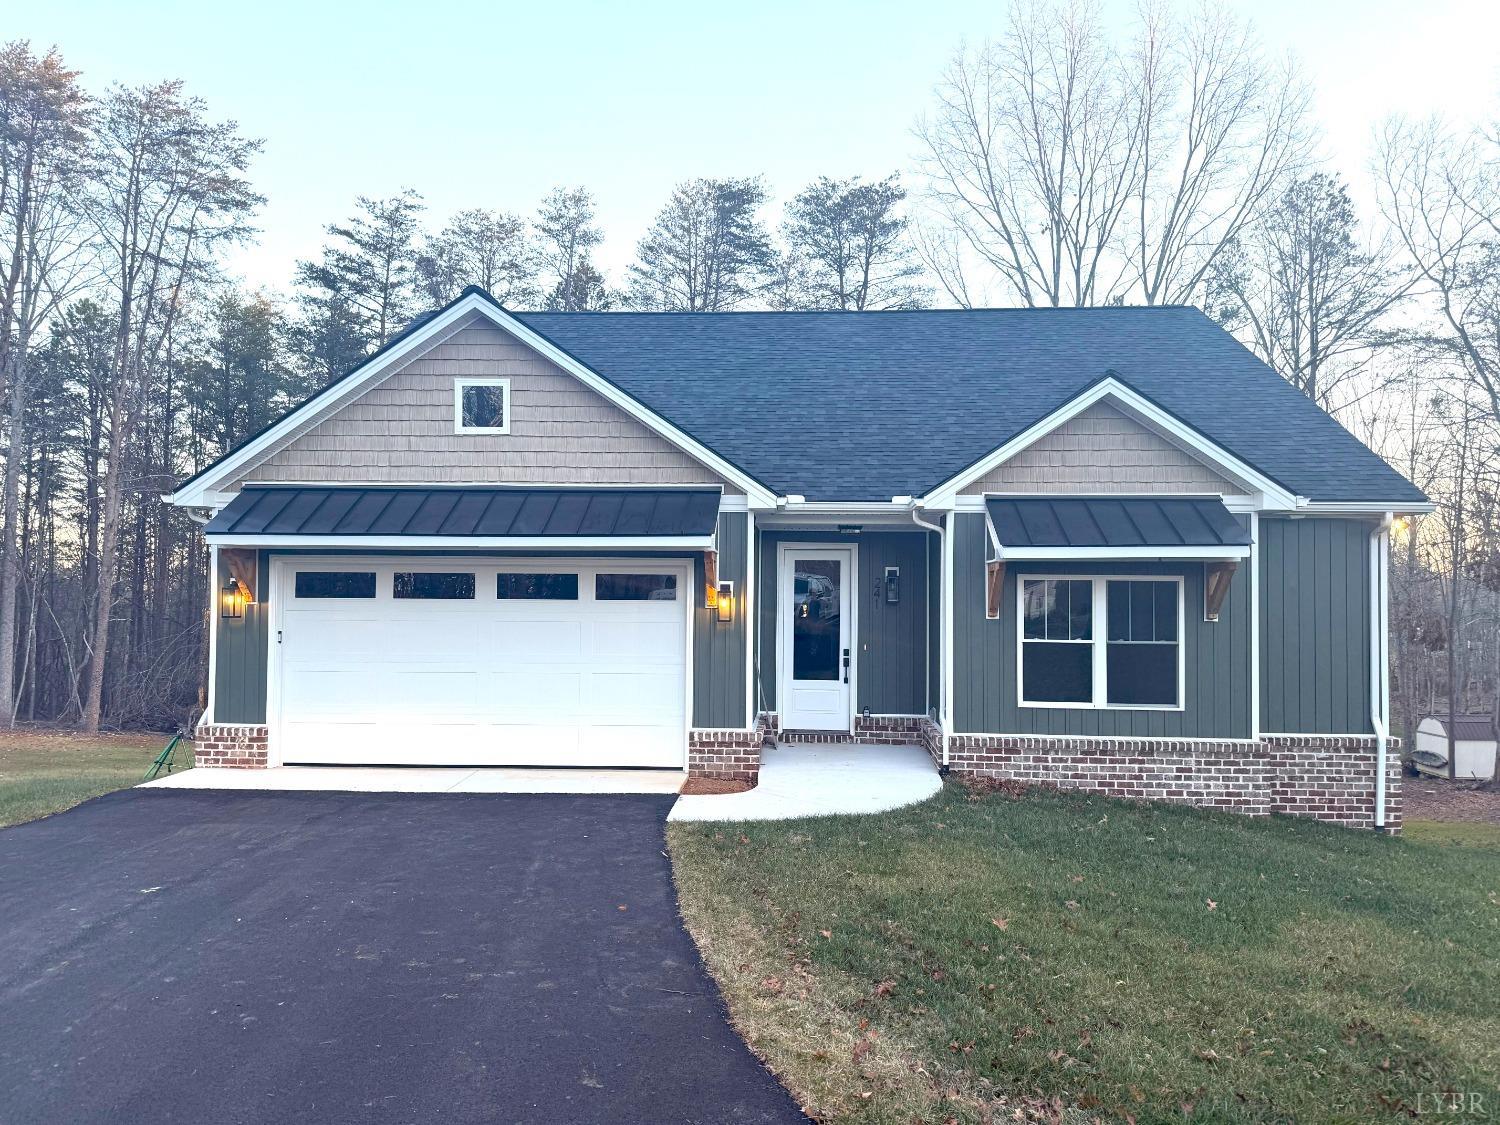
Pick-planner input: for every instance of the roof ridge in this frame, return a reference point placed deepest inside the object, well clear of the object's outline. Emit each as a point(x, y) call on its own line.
point(684, 313)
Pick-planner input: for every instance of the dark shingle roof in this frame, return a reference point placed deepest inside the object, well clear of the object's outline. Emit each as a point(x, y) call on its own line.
point(1469, 728)
point(482, 512)
point(1104, 521)
point(866, 406)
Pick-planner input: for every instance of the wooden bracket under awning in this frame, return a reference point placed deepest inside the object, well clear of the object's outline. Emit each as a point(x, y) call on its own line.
point(240, 564)
point(1216, 579)
point(710, 579)
point(994, 582)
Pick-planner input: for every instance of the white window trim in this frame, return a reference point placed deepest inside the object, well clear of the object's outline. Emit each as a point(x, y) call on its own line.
point(1099, 594)
point(463, 383)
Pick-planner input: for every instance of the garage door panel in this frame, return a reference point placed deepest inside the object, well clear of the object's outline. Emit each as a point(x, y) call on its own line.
point(440, 637)
point(534, 694)
point(487, 681)
point(324, 636)
point(433, 694)
point(314, 691)
point(535, 638)
point(639, 695)
point(657, 642)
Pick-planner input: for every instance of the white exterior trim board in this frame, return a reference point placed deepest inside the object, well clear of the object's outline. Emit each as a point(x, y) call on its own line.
point(1122, 554)
point(462, 543)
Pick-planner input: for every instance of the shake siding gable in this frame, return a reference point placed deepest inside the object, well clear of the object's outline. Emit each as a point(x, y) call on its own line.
point(1100, 450)
point(400, 431)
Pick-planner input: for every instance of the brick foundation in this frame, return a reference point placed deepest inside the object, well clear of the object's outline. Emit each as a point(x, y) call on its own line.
point(233, 746)
point(1327, 777)
point(733, 754)
point(1332, 777)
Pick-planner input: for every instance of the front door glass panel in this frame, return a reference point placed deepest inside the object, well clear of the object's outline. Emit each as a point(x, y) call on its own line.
point(816, 592)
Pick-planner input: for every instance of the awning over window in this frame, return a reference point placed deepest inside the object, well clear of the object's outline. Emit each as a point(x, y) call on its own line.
point(292, 514)
point(1110, 527)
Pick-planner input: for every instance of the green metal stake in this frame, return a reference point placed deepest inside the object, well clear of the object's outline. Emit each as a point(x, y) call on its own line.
point(165, 757)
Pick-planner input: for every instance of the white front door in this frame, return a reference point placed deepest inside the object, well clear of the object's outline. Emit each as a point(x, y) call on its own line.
point(428, 661)
point(816, 638)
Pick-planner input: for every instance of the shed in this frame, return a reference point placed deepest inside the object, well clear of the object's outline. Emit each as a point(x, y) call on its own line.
point(1474, 747)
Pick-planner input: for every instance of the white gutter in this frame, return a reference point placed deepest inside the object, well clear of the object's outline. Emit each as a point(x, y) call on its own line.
point(1379, 656)
point(468, 542)
point(945, 634)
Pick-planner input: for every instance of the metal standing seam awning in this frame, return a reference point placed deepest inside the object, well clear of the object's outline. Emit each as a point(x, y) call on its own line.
point(1121, 529)
point(1102, 527)
point(480, 516)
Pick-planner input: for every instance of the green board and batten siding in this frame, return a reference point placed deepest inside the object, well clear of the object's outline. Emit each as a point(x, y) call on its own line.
point(1217, 656)
point(1315, 625)
point(893, 652)
point(719, 647)
point(240, 659)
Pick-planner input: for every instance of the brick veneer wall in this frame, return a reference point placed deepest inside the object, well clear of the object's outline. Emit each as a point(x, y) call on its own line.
point(235, 746)
point(731, 754)
point(1330, 778)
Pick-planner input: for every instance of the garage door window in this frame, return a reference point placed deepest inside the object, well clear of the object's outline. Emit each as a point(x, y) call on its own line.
point(434, 586)
point(335, 584)
point(635, 587)
point(537, 587)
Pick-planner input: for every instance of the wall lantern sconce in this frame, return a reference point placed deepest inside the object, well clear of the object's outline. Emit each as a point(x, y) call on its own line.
point(232, 599)
point(724, 602)
point(893, 585)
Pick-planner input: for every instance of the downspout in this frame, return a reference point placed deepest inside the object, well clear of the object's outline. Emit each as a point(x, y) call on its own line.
point(945, 621)
point(1379, 662)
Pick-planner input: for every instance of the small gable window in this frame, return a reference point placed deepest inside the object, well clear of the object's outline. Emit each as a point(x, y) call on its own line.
point(481, 406)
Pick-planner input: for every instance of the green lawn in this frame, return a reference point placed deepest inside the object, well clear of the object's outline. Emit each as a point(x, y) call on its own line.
point(1453, 833)
point(43, 772)
point(1061, 954)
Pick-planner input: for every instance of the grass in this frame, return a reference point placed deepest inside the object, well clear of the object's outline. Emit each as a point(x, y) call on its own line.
point(1452, 833)
point(43, 772)
point(1071, 957)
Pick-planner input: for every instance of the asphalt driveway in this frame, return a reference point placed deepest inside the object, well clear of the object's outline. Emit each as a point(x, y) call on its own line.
point(289, 957)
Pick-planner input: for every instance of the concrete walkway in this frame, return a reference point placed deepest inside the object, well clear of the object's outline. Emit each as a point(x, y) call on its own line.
point(419, 779)
point(819, 779)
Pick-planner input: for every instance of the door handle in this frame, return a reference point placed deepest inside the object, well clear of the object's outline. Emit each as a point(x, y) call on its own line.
point(846, 666)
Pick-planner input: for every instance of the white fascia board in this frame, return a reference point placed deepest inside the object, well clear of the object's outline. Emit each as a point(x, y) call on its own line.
point(1366, 508)
point(195, 494)
point(1275, 495)
point(1123, 554)
point(460, 543)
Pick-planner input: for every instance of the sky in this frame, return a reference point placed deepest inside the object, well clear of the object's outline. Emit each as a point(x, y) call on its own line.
point(492, 104)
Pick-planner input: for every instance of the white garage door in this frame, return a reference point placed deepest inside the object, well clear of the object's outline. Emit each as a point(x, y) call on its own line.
point(451, 663)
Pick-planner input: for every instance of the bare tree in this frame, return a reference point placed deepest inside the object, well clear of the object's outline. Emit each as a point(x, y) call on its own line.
point(707, 250)
point(42, 134)
point(167, 185)
point(1304, 293)
point(1440, 192)
point(566, 233)
point(856, 242)
point(1081, 172)
point(491, 249)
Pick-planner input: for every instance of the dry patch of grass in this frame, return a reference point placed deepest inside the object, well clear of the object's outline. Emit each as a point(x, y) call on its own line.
point(984, 956)
point(43, 772)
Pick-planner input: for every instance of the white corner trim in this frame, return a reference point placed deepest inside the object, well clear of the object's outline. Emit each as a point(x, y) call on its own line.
point(463, 383)
point(1274, 495)
point(207, 491)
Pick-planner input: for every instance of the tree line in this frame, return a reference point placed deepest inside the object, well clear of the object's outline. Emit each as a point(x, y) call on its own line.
point(1063, 163)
